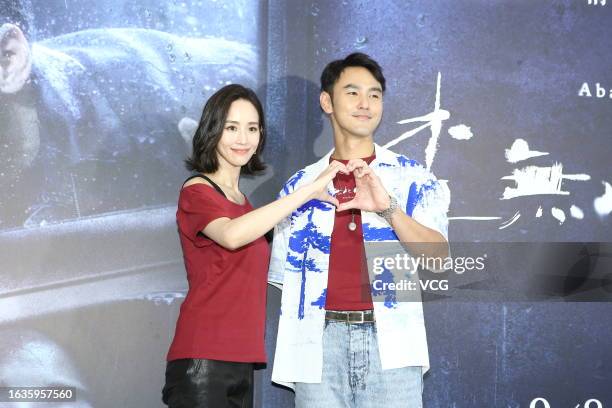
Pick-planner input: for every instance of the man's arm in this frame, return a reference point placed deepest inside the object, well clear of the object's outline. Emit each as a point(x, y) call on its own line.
point(418, 238)
point(372, 196)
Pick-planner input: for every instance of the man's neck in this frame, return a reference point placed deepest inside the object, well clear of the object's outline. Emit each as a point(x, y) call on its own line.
point(348, 148)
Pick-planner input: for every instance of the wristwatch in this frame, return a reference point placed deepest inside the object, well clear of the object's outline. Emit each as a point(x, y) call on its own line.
point(386, 214)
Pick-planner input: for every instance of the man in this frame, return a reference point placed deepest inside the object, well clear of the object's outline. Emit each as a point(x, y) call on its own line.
point(335, 346)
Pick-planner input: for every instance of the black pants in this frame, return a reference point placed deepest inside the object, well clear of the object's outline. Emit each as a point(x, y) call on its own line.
point(199, 383)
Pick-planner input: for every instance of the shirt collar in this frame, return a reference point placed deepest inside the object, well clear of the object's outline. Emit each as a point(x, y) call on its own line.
point(384, 158)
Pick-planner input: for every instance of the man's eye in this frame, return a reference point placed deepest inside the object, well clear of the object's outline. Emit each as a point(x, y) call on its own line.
point(376, 96)
point(8, 54)
point(352, 93)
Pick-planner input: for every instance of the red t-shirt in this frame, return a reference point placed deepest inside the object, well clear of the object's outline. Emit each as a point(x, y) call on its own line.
point(223, 314)
point(348, 284)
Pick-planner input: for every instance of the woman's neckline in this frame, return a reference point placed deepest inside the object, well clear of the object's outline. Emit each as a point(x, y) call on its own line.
point(216, 192)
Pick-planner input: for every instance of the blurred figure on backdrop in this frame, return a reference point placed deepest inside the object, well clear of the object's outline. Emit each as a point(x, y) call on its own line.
point(84, 114)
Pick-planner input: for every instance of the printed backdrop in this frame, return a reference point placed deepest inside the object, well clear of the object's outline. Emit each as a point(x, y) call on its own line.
point(508, 102)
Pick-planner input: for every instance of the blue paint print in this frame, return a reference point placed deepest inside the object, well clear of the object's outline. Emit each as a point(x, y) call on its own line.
point(415, 195)
point(385, 277)
point(371, 234)
point(405, 162)
point(300, 263)
point(293, 180)
point(301, 241)
point(321, 300)
point(308, 206)
point(315, 204)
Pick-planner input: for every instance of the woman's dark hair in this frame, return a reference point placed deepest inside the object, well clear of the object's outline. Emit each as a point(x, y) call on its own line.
point(334, 69)
point(204, 154)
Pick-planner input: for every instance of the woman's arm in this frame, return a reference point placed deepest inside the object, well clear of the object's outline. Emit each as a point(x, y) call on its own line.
point(237, 232)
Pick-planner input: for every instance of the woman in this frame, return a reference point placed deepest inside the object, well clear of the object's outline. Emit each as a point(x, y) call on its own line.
point(220, 330)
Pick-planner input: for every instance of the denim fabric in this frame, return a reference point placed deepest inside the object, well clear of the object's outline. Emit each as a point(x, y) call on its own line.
point(352, 374)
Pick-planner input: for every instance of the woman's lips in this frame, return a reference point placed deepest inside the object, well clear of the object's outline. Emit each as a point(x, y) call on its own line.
point(241, 151)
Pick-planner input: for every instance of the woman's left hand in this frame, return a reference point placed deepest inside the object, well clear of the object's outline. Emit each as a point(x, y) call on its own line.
point(320, 184)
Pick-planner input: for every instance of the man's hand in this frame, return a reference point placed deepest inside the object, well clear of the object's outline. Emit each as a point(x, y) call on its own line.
point(370, 195)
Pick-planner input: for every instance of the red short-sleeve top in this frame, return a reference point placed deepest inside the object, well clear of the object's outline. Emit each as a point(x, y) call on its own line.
point(223, 314)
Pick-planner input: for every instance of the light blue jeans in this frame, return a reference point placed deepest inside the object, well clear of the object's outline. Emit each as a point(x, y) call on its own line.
point(353, 377)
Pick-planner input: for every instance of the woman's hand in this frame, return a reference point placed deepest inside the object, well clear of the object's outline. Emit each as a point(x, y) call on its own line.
point(319, 186)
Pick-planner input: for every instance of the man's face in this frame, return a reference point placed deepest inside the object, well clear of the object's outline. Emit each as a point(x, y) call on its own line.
point(357, 103)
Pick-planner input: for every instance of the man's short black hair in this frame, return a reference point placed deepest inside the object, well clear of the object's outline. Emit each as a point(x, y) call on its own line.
point(204, 156)
point(334, 69)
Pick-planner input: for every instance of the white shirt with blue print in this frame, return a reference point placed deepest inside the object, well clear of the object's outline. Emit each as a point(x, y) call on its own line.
point(300, 260)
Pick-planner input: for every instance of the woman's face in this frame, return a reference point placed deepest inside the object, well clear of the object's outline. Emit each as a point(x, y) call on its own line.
point(240, 136)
